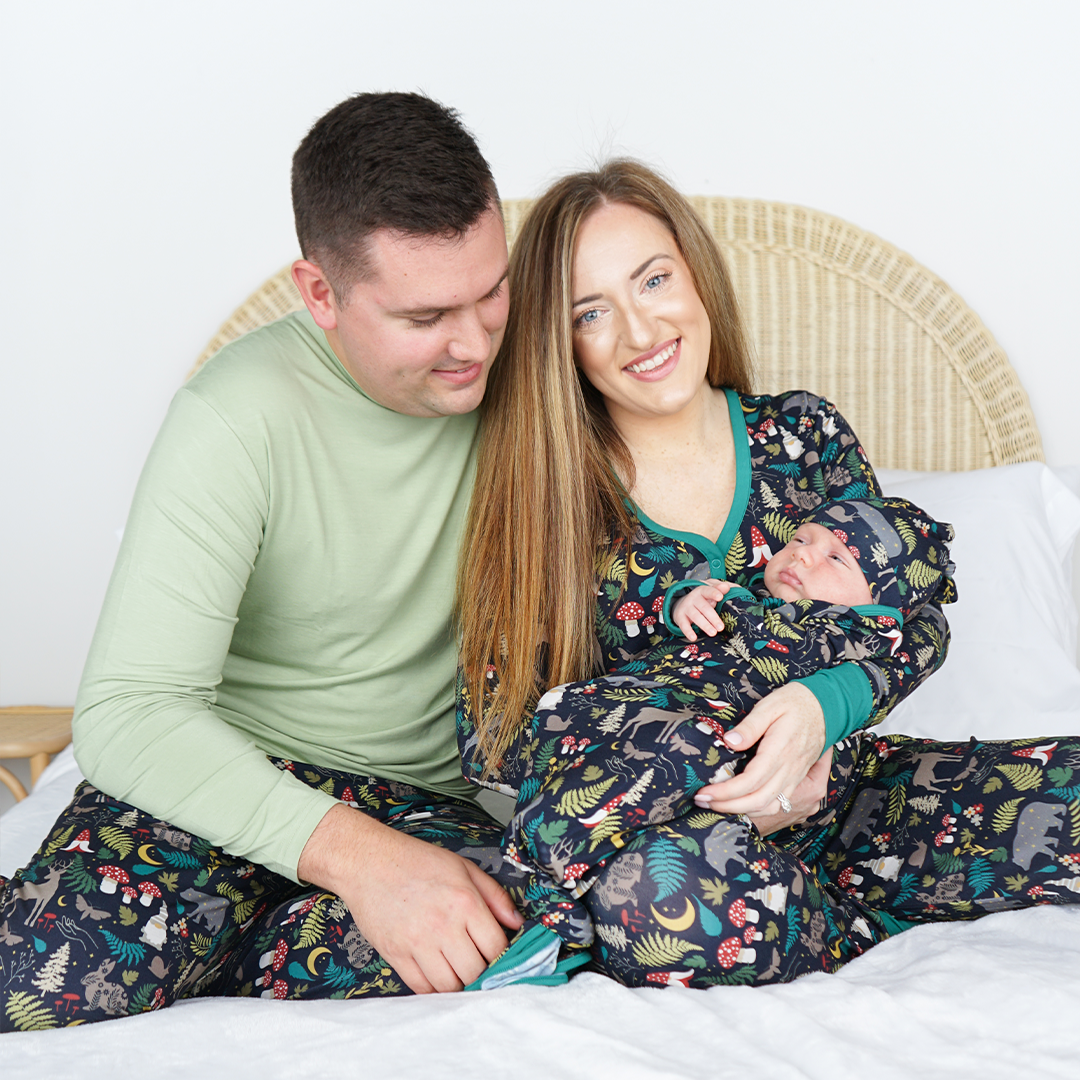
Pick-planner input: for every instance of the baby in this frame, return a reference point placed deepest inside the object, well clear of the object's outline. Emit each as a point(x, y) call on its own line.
point(627, 750)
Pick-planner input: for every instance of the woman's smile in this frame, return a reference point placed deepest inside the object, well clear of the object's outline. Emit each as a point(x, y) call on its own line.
point(656, 364)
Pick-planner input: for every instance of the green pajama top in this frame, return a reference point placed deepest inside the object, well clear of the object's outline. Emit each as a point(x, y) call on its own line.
point(284, 587)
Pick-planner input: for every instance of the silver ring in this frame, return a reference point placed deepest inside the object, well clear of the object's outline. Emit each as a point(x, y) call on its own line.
point(785, 805)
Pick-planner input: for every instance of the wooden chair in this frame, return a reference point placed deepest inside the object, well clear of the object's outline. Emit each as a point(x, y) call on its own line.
point(35, 732)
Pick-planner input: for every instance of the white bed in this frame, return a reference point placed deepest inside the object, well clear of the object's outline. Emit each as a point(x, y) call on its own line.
point(993, 998)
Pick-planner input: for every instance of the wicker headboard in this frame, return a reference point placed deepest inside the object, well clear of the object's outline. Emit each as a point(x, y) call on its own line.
point(834, 309)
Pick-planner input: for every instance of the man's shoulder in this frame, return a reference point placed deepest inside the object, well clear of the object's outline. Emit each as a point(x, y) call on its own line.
point(278, 351)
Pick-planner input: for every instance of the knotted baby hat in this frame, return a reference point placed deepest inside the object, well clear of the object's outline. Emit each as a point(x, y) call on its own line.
point(902, 551)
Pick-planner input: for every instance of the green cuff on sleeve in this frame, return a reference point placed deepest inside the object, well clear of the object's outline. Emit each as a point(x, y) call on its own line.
point(673, 594)
point(845, 696)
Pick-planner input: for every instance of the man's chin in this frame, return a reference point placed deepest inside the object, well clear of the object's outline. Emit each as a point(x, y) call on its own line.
point(456, 401)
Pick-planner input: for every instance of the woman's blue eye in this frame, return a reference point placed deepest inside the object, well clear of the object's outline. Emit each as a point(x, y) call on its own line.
point(587, 317)
point(655, 281)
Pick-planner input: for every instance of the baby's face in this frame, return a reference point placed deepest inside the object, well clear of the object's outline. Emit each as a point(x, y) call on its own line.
point(817, 565)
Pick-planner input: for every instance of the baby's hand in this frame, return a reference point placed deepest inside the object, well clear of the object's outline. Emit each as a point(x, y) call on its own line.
point(699, 607)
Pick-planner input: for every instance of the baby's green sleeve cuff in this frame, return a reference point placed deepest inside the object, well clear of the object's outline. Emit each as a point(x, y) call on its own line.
point(845, 696)
point(673, 594)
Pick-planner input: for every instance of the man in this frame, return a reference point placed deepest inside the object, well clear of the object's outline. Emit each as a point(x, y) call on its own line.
point(284, 591)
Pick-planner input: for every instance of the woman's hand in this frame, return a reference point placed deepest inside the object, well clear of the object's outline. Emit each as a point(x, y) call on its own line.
point(789, 730)
point(806, 799)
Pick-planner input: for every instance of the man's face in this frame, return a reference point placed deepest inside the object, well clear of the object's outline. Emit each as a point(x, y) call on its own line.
point(420, 333)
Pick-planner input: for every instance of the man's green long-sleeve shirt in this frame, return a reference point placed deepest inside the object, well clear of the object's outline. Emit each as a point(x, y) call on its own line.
point(284, 586)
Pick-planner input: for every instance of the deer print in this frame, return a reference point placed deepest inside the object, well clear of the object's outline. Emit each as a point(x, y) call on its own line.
point(41, 892)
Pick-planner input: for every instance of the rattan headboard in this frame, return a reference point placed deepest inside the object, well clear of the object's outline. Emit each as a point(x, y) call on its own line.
point(834, 309)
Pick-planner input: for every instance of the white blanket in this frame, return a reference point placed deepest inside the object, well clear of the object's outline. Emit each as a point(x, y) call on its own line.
point(999, 997)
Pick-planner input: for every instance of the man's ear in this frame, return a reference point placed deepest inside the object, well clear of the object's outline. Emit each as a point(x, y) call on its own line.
point(316, 292)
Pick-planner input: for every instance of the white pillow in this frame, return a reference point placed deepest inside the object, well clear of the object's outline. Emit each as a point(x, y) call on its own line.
point(1011, 670)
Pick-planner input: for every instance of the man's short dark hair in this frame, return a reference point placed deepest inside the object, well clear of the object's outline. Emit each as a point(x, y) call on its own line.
point(384, 161)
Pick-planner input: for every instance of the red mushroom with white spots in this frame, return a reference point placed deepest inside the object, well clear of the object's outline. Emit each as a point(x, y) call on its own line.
point(728, 952)
point(574, 871)
point(129, 894)
point(111, 876)
point(274, 959)
point(629, 613)
point(150, 893)
point(739, 914)
point(848, 879)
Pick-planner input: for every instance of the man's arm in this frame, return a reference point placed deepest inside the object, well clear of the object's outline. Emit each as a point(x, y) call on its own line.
point(145, 729)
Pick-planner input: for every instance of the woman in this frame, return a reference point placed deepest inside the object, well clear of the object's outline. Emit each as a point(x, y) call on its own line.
point(620, 439)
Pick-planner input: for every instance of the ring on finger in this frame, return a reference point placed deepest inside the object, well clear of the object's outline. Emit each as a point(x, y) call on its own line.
point(785, 803)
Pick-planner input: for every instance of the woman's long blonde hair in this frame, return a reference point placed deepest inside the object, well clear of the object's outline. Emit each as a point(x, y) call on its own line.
point(547, 485)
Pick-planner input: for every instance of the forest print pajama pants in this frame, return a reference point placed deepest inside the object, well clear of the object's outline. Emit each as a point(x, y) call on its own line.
point(119, 912)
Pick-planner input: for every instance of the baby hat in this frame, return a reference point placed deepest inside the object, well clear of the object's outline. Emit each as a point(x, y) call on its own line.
point(902, 551)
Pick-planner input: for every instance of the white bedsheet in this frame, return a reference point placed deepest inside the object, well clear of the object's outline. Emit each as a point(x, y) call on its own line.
point(999, 997)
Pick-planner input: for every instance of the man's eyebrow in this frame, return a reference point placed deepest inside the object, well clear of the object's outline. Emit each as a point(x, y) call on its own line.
point(633, 277)
point(413, 312)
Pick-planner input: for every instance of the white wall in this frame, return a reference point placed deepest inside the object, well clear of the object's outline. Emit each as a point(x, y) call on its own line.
point(145, 167)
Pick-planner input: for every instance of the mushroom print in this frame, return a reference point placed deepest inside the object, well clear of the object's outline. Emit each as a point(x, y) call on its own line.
point(629, 614)
point(111, 876)
point(150, 892)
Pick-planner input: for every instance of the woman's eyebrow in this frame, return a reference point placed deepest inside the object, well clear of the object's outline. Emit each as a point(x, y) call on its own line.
point(587, 299)
point(642, 268)
point(633, 277)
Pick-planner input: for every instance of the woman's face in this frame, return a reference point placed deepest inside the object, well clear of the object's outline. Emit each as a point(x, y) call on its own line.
point(641, 333)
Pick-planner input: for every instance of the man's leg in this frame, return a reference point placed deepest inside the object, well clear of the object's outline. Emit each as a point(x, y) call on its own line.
point(118, 913)
point(307, 945)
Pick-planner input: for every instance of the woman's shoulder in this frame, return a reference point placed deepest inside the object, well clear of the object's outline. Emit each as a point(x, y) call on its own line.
point(789, 403)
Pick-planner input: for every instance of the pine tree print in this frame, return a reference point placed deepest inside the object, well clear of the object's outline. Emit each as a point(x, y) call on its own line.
point(50, 979)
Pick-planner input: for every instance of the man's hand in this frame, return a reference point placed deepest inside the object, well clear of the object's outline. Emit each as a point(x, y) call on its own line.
point(432, 915)
point(698, 606)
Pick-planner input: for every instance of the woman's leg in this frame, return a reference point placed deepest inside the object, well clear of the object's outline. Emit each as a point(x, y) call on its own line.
point(704, 900)
point(937, 831)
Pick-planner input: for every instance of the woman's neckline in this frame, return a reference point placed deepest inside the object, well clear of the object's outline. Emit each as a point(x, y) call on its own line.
point(717, 548)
